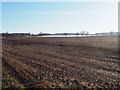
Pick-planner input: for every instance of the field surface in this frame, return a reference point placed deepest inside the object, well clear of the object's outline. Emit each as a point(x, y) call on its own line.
point(62, 62)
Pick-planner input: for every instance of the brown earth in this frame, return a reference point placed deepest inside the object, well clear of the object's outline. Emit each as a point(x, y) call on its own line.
point(62, 62)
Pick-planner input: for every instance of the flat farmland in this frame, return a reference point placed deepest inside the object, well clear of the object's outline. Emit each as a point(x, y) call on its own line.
point(62, 62)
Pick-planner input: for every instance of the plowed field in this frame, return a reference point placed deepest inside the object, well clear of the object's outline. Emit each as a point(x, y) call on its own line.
point(62, 62)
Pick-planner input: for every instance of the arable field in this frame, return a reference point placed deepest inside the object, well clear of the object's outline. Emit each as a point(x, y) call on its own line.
point(62, 62)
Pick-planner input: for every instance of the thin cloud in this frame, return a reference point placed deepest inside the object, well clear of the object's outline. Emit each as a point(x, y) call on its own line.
point(57, 13)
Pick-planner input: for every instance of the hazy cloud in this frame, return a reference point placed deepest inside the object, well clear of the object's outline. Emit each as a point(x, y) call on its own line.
point(57, 13)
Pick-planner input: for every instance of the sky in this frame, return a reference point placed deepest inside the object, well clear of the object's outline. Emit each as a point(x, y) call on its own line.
point(58, 17)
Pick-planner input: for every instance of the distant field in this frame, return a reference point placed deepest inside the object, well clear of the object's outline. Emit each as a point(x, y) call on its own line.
point(64, 62)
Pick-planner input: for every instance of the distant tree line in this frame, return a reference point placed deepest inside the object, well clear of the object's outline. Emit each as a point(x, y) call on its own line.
point(82, 33)
point(79, 33)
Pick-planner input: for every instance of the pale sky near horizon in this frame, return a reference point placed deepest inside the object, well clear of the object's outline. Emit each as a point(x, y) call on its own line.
point(57, 17)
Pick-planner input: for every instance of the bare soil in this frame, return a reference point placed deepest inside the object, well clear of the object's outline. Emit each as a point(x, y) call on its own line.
point(62, 62)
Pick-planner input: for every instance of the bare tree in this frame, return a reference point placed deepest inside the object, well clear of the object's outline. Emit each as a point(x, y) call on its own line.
point(29, 34)
point(82, 33)
point(87, 33)
point(40, 34)
point(77, 34)
point(7, 32)
point(65, 34)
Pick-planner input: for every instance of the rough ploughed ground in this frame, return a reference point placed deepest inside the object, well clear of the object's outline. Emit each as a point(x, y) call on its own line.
point(62, 62)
